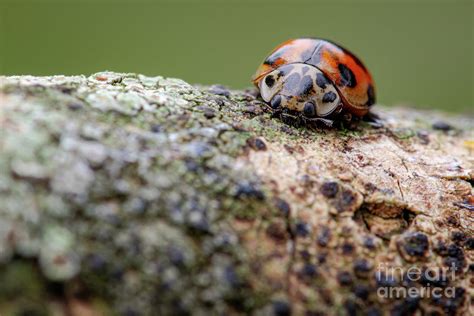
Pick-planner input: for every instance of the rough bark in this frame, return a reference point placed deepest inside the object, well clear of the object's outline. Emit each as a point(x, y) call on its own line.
point(126, 194)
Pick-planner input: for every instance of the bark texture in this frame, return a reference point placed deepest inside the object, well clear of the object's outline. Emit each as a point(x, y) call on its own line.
point(133, 195)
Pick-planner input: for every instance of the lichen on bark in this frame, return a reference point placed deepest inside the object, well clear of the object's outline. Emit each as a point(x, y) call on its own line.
point(136, 195)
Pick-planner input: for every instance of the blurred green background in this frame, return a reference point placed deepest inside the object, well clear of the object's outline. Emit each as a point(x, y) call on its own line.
point(419, 52)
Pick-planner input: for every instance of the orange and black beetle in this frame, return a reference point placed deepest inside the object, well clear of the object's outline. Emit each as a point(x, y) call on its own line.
point(315, 78)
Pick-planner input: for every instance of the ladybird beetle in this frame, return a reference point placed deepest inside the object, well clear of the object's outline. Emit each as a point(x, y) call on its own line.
point(316, 78)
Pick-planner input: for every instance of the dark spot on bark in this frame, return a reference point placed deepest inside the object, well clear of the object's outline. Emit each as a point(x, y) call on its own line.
point(351, 308)
point(441, 249)
point(219, 90)
point(369, 243)
point(231, 277)
point(96, 262)
point(176, 256)
point(415, 244)
point(249, 190)
point(451, 305)
point(455, 259)
point(347, 76)
point(281, 308)
point(324, 236)
point(283, 207)
point(329, 189)
point(302, 229)
point(469, 244)
point(305, 255)
point(424, 137)
point(309, 109)
point(308, 271)
point(277, 230)
point(458, 237)
point(329, 97)
point(75, 106)
point(208, 111)
point(431, 278)
point(344, 278)
point(347, 248)
point(321, 80)
point(321, 257)
point(257, 144)
point(385, 280)
point(441, 126)
point(373, 311)
point(370, 95)
point(452, 220)
point(407, 307)
point(361, 291)
point(275, 101)
point(347, 200)
point(156, 128)
point(269, 81)
point(471, 268)
point(131, 311)
point(362, 268)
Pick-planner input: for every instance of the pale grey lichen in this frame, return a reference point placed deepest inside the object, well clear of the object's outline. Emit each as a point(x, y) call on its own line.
point(118, 180)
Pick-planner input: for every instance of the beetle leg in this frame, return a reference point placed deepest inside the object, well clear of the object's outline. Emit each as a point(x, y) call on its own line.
point(373, 120)
point(326, 122)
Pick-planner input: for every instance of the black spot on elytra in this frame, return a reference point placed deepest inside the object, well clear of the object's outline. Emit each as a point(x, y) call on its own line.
point(370, 95)
point(347, 76)
point(321, 80)
point(271, 60)
point(292, 83)
point(305, 69)
point(275, 101)
point(309, 110)
point(269, 81)
point(329, 97)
